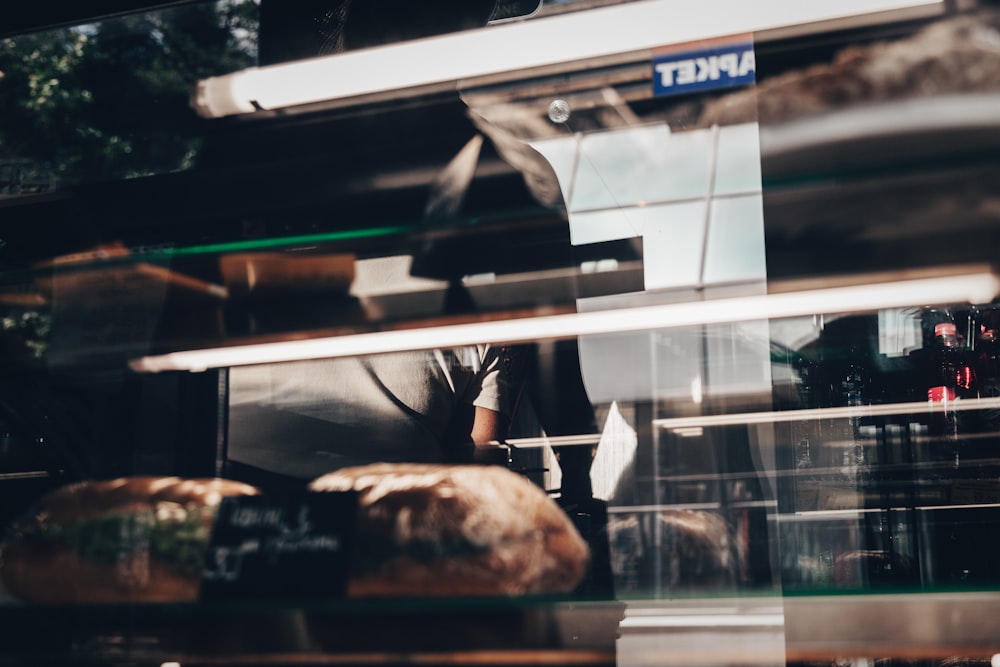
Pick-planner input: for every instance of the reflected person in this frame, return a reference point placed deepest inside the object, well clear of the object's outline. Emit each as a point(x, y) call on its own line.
point(300, 419)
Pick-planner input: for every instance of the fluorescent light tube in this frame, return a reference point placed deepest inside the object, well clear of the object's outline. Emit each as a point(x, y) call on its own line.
point(680, 424)
point(562, 41)
point(979, 287)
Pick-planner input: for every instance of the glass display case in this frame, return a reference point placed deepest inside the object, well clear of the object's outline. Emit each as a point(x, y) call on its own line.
point(724, 277)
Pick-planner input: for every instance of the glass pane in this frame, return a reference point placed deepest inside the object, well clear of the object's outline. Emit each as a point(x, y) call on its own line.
point(646, 164)
point(735, 241)
point(696, 337)
point(737, 159)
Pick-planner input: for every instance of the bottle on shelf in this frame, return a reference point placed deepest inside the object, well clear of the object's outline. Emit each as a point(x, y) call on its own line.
point(856, 385)
point(953, 366)
point(805, 478)
point(850, 484)
point(987, 362)
point(951, 377)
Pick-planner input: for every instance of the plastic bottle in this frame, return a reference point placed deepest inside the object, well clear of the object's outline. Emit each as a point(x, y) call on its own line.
point(987, 363)
point(951, 377)
point(987, 419)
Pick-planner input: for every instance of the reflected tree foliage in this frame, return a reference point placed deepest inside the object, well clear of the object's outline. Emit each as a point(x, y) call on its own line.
point(110, 100)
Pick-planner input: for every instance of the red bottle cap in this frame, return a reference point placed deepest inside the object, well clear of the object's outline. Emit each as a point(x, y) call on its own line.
point(941, 393)
point(945, 329)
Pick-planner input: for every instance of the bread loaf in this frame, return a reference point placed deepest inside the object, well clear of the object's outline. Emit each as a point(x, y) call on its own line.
point(135, 539)
point(438, 530)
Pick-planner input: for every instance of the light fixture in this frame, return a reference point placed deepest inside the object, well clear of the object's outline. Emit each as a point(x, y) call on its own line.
point(584, 439)
point(682, 425)
point(972, 287)
point(549, 44)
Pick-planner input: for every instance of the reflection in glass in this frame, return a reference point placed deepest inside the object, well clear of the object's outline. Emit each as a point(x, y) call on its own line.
point(109, 100)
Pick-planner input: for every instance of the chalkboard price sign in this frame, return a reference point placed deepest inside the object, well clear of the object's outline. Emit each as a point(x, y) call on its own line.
point(290, 547)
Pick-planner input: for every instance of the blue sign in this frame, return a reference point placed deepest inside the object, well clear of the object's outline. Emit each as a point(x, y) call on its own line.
point(721, 65)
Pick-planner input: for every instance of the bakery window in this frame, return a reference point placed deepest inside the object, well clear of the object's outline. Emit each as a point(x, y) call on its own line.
point(674, 346)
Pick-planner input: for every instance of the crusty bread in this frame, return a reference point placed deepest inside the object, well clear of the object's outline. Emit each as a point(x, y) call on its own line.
point(423, 530)
point(42, 560)
point(439, 530)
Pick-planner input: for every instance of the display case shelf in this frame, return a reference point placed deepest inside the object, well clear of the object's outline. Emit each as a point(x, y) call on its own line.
point(392, 632)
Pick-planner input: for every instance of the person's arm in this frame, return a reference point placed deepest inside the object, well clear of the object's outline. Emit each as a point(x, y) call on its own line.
point(482, 421)
point(489, 428)
point(474, 434)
